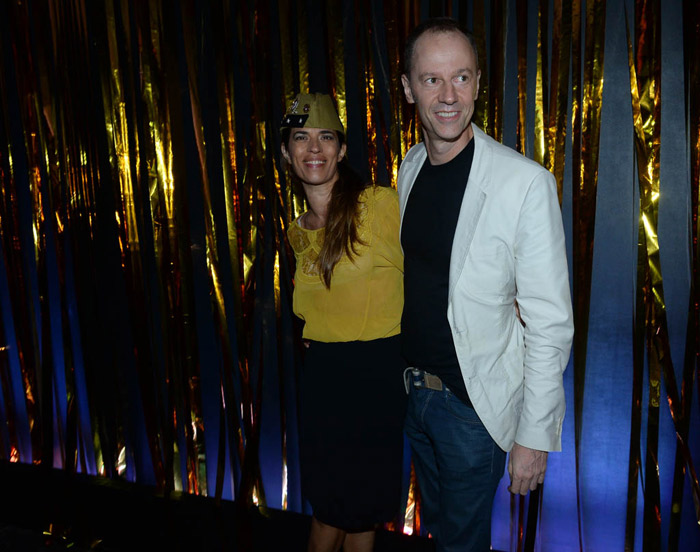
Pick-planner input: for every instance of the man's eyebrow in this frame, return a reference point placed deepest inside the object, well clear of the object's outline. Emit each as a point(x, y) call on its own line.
point(427, 74)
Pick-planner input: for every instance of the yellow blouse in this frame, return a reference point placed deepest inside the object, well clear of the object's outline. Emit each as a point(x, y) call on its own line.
point(366, 295)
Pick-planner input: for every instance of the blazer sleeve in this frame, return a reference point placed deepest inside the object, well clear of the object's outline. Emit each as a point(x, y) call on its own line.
point(544, 299)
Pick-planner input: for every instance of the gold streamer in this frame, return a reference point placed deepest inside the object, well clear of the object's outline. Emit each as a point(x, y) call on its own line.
point(228, 407)
point(499, 24)
point(412, 516)
point(250, 488)
point(217, 295)
point(251, 484)
point(646, 108)
point(364, 47)
point(482, 109)
point(9, 227)
point(411, 128)
point(70, 431)
point(541, 154)
point(125, 168)
point(169, 212)
point(380, 117)
point(294, 198)
point(398, 146)
point(336, 54)
point(72, 157)
point(280, 238)
point(550, 116)
point(249, 234)
point(520, 131)
point(561, 47)
point(48, 144)
point(277, 225)
point(303, 47)
point(399, 19)
point(160, 182)
point(81, 442)
point(286, 58)
point(27, 329)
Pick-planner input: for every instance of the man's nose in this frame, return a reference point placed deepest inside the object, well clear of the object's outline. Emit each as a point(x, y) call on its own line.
point(447, 93)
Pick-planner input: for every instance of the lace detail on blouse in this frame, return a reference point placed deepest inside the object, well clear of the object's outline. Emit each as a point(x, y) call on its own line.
point(306, 245)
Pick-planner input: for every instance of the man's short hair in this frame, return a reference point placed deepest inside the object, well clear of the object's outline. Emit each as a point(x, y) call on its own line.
point(435, 25)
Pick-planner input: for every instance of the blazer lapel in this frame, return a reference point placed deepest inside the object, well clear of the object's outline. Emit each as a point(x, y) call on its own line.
point(472, 204)
point(409, 171)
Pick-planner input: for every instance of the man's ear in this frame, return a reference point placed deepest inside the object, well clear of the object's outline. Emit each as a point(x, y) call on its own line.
point(407, 89)
point(478, 78)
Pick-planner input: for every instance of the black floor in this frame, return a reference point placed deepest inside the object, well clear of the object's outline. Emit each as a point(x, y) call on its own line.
point(49, 510)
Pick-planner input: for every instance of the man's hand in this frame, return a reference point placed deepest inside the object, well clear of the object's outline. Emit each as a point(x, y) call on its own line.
point(526, 468)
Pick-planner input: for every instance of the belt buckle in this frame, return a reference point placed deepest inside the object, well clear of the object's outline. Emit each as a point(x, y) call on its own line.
point(432, 382)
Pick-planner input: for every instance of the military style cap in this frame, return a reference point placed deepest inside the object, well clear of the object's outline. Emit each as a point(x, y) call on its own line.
point(312, 111)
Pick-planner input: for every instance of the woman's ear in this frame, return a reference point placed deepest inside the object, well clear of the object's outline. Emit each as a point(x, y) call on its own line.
point(341, 153)
point(285, 154)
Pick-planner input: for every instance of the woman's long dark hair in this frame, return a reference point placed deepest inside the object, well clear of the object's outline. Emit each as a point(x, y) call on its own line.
point(341, 236)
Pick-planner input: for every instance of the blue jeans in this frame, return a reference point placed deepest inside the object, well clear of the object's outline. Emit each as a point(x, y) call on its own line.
point(459, 467)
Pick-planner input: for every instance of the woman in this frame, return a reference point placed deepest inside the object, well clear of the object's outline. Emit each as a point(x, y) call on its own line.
point(349, 292)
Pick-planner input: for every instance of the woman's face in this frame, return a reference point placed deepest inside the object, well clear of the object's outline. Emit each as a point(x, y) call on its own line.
point(314, 154)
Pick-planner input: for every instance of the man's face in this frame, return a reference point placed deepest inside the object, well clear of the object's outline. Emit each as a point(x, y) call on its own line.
point(444, 84)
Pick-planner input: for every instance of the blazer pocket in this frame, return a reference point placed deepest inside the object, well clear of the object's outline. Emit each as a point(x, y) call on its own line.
point(505, 382)
point(489, 272)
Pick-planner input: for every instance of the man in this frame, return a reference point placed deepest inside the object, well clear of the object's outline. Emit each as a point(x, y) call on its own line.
point(482, 238)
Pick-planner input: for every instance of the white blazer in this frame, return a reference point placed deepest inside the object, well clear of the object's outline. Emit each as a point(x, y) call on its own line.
point(508, 245)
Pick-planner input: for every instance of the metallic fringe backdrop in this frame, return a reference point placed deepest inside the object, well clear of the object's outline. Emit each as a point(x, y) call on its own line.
point(146, 281)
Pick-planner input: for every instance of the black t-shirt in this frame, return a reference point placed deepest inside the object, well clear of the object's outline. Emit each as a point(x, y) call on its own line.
point(427, 233)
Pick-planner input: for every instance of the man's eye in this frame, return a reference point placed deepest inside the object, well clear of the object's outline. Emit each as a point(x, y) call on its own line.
point(431, 80)
point(462, 78)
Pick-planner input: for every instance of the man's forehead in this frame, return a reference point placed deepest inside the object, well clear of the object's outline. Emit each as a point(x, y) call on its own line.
point(430, 38)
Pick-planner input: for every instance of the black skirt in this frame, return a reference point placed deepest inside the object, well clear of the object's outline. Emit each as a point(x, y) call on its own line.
point(352, 411)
